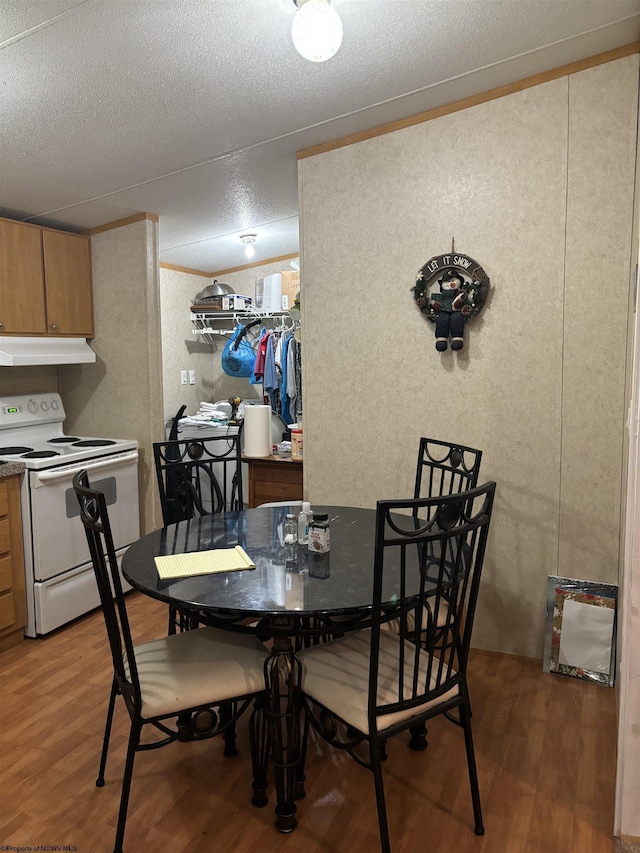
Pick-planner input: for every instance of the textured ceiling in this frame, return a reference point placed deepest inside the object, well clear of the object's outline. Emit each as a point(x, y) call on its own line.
point(194, 109)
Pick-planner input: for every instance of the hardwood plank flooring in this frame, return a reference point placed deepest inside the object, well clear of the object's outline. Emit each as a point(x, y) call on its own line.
point(545, 750)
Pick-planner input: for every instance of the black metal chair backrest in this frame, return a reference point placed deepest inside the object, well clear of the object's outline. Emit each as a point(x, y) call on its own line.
point(198, 476)
point(434, 562)
point(95, 518)
point(445, 469)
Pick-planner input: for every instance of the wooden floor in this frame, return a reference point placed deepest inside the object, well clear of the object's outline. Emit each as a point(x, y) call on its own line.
point(545, 748)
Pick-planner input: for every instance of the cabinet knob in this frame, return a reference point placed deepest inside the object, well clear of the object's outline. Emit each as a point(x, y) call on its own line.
point(54, 327)
point(1, 325)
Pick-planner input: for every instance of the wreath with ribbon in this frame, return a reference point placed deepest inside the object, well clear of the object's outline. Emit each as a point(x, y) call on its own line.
point(472, 293)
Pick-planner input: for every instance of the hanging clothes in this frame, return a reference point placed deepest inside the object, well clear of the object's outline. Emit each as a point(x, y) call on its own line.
point(292, 379)
point(260, 350)
point(271, 377)
point(285, 412)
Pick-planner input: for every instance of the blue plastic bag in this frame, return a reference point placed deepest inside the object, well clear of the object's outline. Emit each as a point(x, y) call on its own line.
point(238, 357)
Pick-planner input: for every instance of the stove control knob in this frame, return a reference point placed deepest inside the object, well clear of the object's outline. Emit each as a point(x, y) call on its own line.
point(44, 406)
point(32, 406)
point(55, 405)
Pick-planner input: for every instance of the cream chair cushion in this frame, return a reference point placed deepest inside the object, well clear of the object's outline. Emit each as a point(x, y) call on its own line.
point(336, 674)
point(441, 620)
point(199, 667)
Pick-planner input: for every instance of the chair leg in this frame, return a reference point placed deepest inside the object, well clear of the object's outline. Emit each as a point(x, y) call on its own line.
point(260, 743)
point(173, 612)
point(376, 766)
point(134, 741)
point(418, 739)
point(465, 718)
point(229, 736)
point(107, 734)
point(298, 786)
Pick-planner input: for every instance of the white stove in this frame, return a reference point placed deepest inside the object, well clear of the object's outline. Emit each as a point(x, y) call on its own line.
point(60, 583)
point(31, 432)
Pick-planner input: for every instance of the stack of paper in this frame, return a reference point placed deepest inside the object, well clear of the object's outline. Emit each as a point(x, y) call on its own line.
point(203, 563)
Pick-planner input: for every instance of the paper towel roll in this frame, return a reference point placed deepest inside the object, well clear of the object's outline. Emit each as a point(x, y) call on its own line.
point(257, 431)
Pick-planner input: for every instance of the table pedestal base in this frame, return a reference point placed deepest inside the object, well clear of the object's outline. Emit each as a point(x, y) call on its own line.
point(283, 674)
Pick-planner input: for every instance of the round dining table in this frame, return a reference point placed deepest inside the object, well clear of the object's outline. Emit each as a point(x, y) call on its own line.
point(292, 597)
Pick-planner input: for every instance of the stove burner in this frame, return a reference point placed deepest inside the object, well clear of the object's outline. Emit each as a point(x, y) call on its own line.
point(40, 454)
point(9, 450)
point(63, 440)
point(93, 442)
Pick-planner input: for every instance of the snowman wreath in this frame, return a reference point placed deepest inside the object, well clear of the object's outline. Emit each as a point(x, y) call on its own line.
point(462, 293)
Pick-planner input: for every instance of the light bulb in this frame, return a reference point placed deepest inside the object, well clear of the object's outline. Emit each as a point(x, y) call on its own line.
point(249, 240)
point(316, 30)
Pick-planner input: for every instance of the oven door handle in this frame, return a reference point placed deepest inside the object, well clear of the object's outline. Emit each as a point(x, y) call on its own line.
point(67, 473)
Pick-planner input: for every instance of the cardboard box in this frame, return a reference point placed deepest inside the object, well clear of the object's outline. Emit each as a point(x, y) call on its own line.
point(290, 288)
point(234, 302)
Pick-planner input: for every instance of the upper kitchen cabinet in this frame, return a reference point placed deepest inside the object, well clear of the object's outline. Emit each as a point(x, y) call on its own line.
point(67, 277)
point(22, 302)
point(45, 281)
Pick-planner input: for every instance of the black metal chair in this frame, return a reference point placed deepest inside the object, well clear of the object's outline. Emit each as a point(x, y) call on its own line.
point(369, 685)
point(445, 469)
point(189, 686)
point(197, 476)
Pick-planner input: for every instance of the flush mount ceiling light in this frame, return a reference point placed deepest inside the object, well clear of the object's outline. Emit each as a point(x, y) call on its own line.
point(316, 30)
point(249, 240)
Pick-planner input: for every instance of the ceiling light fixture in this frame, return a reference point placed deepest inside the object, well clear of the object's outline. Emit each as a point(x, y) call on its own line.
point(316, 30)
point(249, 240)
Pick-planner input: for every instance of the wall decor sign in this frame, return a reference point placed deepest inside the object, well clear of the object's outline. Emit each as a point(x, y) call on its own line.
point(463, 288)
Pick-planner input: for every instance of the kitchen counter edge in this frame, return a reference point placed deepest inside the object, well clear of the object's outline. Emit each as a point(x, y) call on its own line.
point(10, 469)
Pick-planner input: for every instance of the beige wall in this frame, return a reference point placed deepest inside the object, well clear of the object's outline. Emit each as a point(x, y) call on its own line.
point(181, 350)
point(28, 380)
point(538, 188)
point(120, 396)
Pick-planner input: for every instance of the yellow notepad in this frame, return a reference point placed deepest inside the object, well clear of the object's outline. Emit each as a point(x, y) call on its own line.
point(203, 563)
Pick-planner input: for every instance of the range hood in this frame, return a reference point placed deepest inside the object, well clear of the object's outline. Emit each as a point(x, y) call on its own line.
point(25, 351)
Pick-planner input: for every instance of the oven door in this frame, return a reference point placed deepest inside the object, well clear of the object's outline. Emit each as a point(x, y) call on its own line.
point(58, 536)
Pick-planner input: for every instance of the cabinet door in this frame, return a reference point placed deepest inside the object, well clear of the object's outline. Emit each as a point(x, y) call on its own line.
point(67, 267)
point(22, 301)
point(13, 612)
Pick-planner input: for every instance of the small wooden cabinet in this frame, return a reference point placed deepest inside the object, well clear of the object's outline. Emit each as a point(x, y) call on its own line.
point(274, 479)
point(45, 281)
point(13, 609)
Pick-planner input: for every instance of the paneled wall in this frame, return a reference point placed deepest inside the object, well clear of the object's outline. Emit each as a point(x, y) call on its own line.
point(181, 350)
point(538, 188)
point(28, 380)
point(120, 396)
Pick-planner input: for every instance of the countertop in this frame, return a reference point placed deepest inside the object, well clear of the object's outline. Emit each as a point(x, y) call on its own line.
point(270, 459)
point(8, 469)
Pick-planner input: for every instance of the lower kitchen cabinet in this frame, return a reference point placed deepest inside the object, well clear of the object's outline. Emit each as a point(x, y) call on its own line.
point(274, 479)
point(13, 611)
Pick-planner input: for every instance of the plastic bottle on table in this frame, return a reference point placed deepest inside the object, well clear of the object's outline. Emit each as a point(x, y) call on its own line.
point(304, 517)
